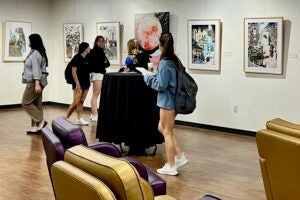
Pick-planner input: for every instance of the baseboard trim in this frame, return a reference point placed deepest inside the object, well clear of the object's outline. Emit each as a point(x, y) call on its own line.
point(216, 128)
point(190, 124)
point(44, 103)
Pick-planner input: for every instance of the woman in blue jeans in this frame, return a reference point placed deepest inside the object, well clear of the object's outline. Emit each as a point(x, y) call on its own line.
point(165, 82)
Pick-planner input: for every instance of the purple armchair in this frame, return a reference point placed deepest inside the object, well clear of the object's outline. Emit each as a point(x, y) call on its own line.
point(53, 147)
point(71, 135)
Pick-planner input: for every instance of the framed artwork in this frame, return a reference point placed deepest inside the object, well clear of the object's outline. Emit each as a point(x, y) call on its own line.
point(263, 45)
point(16, 42)
point(111, 33)
point(204, 44)
point(73, 36)
point(147, 29)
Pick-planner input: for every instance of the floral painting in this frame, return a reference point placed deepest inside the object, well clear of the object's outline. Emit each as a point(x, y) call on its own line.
point(73, 36)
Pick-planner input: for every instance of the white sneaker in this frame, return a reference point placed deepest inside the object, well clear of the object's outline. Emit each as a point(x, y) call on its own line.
point(81, 122)
point(93, 118)
point(179, 162)
point(166, 169)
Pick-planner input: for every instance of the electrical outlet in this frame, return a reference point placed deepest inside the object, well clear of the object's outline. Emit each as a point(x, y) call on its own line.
point(235, 108)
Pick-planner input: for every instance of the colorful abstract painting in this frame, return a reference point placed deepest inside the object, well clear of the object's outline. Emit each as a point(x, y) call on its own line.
point(204, 44)
point(263, 45)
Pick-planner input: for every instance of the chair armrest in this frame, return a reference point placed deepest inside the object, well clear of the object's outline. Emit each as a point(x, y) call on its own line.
point(106, 148)
point(158, 184)
point(138, 166)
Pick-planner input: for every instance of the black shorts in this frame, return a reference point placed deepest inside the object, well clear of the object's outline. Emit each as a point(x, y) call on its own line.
point(83, 85)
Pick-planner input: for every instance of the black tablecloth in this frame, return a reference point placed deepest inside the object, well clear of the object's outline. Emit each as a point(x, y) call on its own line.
point(128, 111)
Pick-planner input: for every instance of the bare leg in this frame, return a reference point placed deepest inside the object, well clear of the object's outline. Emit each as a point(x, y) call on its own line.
point(96, 91)
point(166, 124)
point(178, 151)
point(80, 103)
point(73, 105)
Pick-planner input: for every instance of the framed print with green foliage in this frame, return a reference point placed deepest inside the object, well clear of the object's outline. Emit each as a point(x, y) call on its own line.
point(15, 41)
point(263, 45)
point(204, 44)
point(73, 36)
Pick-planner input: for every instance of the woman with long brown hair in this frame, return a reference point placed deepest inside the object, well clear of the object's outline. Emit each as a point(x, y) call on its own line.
point(165, 82)
point(98, 63)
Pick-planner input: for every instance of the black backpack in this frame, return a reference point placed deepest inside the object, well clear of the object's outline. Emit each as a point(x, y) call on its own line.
point(186, 91)
point(68, 74)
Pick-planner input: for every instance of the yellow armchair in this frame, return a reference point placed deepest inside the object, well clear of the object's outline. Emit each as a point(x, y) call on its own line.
point(118, 175)
point(284, 126)
point(279, 154)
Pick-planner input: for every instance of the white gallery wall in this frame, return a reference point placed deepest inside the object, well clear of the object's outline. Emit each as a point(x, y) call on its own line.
point(258, 97)
point(37, 12)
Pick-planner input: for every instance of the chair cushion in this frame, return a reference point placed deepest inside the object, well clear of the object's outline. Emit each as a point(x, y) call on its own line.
point(71, 183)
point(120, 176)
point(69, 133)
point(53, 147)
point(283, 126)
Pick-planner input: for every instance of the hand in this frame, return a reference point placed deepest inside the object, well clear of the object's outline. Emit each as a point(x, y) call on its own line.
point(37, 87)
point(78, 88)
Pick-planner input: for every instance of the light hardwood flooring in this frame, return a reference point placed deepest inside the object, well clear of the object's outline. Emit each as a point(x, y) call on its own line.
point(222, 164)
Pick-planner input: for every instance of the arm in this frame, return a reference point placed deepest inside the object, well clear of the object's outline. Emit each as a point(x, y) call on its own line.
point(75, 78)
point(159, 82)
point(36, 61)
point(106, 62)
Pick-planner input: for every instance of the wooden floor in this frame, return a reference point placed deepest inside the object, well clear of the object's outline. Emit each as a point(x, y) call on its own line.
point(222, 164)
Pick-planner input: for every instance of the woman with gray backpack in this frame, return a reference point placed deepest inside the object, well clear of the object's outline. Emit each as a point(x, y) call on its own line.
point(165, 82)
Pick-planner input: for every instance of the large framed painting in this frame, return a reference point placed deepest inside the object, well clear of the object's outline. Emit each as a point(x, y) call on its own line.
point(16, 42)
point(263, 45)
point(204, 44)
point(111, 33)
point(148, 28)
point(73, 36)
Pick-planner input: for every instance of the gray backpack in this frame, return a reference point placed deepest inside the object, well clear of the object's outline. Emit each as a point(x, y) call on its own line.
point(186, 91)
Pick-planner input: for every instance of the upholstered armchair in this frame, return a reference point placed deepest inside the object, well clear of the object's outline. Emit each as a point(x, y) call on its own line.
point(284, 126)
point(120, 177)
point(71, 135)
point(279, 151)
point(55, 149)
